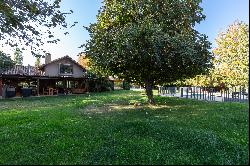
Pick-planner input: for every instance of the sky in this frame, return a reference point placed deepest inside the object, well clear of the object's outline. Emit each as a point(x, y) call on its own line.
point(219, 14)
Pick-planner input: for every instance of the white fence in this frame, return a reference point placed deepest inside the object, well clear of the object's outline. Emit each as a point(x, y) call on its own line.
point(232, 94)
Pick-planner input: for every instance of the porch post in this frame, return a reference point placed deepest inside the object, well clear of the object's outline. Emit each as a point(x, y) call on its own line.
point(87, 84)
point(1, 87)
point(38, 87)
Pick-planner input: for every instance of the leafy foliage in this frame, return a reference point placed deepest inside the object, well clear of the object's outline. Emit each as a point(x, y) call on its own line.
point(83, 61)
point(5, 62)
point(38, 61)
point(232, 55)
point(202, 80)
point(148, 42)
point(19, 22)
point(18, 57)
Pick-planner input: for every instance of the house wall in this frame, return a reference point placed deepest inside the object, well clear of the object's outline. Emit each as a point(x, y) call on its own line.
point(53, 68)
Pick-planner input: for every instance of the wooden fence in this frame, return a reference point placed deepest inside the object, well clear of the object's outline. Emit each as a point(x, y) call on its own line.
point(230, 94)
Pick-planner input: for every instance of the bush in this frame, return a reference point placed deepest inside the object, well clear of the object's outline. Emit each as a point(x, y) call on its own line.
point(125, 85)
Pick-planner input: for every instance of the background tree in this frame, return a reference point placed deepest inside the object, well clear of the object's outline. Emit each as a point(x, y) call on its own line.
point(83, 60)
point(18, 57)
point(202, 80)
point(38, 61)
point(232, 55)
point(148, 42)
point(20, 21)
point(5, 62)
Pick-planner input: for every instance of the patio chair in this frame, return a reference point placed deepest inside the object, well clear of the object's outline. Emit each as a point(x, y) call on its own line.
point(55, 91)
point(51, 91)
point(45, 91)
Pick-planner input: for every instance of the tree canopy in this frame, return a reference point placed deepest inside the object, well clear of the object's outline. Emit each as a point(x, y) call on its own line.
point(148, 42)
point(38, 61)
point(232, 55)
point(18, 57)
point(20, 21)
point(5, 62)
point(83, 61)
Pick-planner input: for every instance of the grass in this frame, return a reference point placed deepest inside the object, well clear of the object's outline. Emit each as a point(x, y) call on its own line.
point(106, 128)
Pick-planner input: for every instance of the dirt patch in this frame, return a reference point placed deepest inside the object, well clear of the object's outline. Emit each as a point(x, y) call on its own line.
point(106, 108)
point(118, 107)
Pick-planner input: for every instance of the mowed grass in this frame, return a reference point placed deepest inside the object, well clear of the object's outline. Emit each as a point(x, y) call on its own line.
point(106, 128)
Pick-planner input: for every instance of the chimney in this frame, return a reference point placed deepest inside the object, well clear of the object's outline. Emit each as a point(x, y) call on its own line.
point(47, 58)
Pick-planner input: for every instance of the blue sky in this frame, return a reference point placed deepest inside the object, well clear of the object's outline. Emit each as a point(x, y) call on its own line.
point(219, 14)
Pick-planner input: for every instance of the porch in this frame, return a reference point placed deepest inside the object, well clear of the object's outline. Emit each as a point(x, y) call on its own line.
point(26, 85)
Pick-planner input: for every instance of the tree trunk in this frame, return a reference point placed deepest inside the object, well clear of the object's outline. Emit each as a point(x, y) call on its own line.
point(149, 92)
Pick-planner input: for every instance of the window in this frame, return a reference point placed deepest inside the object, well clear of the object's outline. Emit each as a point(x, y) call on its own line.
point(66, 69)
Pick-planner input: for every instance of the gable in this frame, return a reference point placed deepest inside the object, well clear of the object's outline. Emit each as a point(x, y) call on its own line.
point(64, 66)
point(63, 59)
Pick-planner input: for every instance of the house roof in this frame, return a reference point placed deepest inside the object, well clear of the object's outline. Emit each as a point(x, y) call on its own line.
point(22, 70)
point(65, 57)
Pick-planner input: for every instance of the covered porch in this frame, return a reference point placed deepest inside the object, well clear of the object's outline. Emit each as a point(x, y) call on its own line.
point(26, 85)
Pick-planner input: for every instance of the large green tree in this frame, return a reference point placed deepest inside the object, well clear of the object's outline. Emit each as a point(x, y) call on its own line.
point(232, 55)
point(148, 42)
point(5, 62)
point(23, 21)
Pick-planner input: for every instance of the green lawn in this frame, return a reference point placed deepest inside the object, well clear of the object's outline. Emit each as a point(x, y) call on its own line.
point(106, 128)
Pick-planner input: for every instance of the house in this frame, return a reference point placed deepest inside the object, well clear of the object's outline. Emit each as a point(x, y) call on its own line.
point(60, 76)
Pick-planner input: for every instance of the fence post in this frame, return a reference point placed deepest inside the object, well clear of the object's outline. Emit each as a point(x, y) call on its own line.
point(200, 92)
point(191, 92)
point(240, 95)
point(225, 93)
point(187, 92)
point(244, 93)
point(203, 92)
point(194, 92)
point(208, 94)
point(181, 92)
point(213, 95)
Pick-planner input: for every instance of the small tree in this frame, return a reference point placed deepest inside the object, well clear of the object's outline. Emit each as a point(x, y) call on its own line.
point(18, 57)
point(5, 62)
point(38, 61)
point(148, 42)
point(232, 55)
point(83, 60)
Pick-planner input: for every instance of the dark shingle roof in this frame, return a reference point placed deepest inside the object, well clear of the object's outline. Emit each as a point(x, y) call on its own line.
point(22, 70)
